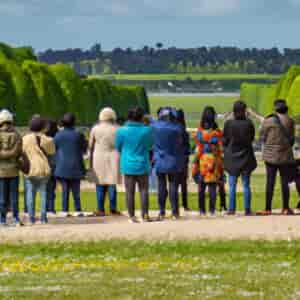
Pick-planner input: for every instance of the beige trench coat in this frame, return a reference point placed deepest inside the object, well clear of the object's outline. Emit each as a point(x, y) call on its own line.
point(105, 169)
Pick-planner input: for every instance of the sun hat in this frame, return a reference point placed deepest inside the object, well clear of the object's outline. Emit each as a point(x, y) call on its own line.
point(107, 114)
point(6, 116)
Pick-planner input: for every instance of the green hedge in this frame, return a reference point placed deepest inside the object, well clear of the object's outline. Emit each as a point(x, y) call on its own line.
point(262, 97)
point(28, 87)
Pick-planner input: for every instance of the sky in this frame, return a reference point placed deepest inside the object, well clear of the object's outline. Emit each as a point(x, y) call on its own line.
point(60, 24)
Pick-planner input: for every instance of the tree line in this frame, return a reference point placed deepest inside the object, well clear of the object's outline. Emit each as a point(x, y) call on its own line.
point(29, 87)
point(174, 60)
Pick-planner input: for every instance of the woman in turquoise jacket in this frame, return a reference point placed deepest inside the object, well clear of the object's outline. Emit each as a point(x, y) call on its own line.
point(134, 142)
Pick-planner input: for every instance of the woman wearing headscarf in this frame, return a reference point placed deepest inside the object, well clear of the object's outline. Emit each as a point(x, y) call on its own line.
point(105, 160)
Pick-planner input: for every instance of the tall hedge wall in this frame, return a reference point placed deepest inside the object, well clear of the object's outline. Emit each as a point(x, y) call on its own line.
point(29, 87)
point(262, 97)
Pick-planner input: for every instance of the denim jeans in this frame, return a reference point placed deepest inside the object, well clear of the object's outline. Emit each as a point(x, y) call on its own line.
point(101, 191)
point(34, 185)
point(51, 195)
point(9, 197)
point(67, 186)
point(246, 189)
point(173, 180)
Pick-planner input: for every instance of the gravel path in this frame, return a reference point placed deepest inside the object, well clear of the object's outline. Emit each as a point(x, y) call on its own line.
point(190, 226)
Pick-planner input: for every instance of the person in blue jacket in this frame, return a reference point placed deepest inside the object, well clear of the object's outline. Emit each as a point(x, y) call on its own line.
point(134, 143)
point(169, 158)
point(70, 145)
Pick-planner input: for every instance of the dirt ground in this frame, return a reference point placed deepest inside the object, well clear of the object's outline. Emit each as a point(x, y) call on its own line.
point(190, 226)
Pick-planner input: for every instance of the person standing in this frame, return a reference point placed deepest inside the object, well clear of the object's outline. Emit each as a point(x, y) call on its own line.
point(278, 137)
point(105, 160)
point(134, 142)
point(52, 130)
point(239, 157)
point(183, 178)
point(208, 165)
point(37, 147)
point(70, 145)
point(10, 151)
point(169, 159)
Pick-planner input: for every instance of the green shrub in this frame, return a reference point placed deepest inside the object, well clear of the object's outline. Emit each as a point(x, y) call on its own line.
point(26, 100)
point(52, 102)
point(7, 91)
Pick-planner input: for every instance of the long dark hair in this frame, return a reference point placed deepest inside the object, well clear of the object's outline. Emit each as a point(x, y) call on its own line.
point(208, 120)
point(181, 118)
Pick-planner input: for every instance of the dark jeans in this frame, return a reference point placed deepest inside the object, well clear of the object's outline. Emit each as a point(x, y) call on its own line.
point(222, 195)
point(212, 190)
point(9, 196)
point(143, 183)
point(69, 185)
point(163, 180)
point(271, 180)
point(51, 195)
point(101, 191)
point(183, 178)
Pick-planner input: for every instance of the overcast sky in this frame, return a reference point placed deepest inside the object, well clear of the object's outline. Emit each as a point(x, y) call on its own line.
point(134, 23)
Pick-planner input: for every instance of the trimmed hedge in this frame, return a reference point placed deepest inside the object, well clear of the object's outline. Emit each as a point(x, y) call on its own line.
point(262, 97)
point(28, 87)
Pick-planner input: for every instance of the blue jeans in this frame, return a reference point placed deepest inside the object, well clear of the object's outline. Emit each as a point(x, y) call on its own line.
point(173, 180)
point(34, 185)
point(246, 189)
point(101, 191)
point(9, 197)
point(67, 186)
point(51, 188)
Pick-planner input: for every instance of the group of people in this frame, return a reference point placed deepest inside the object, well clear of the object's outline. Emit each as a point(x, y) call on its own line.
point(52, 153)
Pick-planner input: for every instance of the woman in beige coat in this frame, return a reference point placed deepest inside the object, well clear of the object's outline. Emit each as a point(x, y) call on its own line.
point(105, 160)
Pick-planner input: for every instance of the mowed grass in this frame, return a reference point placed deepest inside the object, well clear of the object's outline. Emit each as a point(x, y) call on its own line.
point(192, 106)
point(149, 77)
point(151, 270)
point(89, 200)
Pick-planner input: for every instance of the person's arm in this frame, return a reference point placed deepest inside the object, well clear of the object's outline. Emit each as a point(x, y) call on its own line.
point(255, 115)
point(15, 151)
point(252, 131)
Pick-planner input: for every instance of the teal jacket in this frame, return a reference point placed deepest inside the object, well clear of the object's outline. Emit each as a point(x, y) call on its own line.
point(134, 142)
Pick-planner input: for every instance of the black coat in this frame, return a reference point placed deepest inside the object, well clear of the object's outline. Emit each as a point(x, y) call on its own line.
point(239, 157)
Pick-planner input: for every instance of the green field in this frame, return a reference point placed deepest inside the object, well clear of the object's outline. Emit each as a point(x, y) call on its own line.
point(149, 77)
point(151, 270)
point(193, 106)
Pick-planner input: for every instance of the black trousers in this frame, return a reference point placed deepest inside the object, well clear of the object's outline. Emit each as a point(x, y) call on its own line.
point(143, 184)
point(272, 171)
point(183, 178)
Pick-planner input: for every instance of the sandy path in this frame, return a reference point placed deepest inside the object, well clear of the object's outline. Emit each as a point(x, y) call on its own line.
point(190, 227)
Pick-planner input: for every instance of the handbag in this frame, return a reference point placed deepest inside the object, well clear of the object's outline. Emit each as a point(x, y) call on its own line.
point(24, 163)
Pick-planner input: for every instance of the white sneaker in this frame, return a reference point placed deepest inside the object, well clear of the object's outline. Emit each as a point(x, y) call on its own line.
point(133, 220)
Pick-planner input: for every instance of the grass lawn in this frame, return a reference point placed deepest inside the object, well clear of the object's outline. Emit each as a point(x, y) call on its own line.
point(193, 106)
point(192, 76)
point(89, 202)
point(151, 270)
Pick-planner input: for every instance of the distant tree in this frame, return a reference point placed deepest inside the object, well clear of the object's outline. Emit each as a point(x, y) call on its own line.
point(159, 45)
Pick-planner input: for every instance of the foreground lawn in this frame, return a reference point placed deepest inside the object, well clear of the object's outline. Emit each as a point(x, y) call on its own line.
point(151, 270)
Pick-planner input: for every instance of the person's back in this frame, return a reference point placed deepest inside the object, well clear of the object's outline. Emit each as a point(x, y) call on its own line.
point(169, 151)
point(70, 148)
point(238, 150)
point(277, 134)
point(278, 137)
point(134, 142)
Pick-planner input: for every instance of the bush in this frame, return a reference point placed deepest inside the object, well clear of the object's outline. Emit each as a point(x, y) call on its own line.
point(52, 102)
point(26, 100)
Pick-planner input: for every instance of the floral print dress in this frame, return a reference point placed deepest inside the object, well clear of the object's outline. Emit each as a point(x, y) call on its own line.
point(208, 163)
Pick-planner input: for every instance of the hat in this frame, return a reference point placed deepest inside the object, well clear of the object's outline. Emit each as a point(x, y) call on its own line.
point(6, 116)
point(107, 114)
